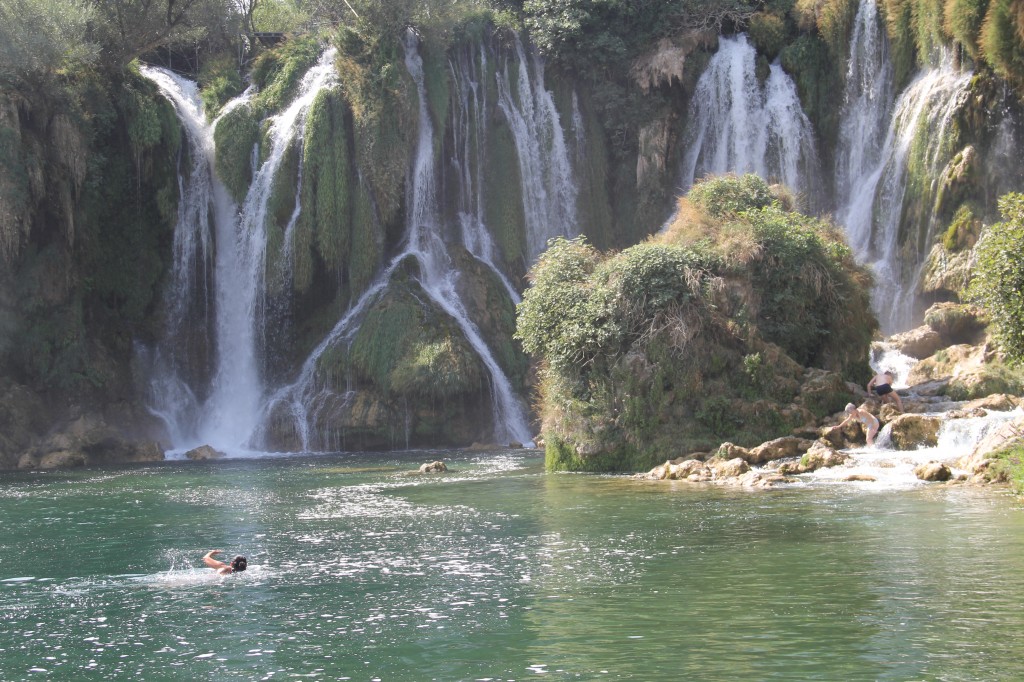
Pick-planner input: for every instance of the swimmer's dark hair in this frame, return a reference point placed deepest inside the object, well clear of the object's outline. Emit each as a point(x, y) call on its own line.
point(238, 564)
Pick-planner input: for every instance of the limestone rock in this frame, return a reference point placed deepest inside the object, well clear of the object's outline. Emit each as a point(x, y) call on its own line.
point(821, 455)
point(918, 343)
point(933, 471)
point(728, 451)
point(911, 431)
point(780, 448)
point(731, 468)
point(204, 452)
point(62, 459)
point(957, 323)
point(823, 391)
point(998, 402)
point(866, 478)
point(435, 467)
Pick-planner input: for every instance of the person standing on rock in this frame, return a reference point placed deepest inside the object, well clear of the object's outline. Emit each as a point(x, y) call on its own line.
point(866, 419)
point(881, 385)
point(237, 565)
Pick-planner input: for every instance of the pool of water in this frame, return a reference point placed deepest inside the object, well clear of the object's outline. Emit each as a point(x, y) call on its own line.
point(360, 569)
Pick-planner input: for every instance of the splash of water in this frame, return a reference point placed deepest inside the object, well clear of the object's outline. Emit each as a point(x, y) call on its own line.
point(548, 184)
point(738, 126)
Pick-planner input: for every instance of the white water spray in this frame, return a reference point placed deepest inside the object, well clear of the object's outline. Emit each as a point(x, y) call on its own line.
point(548, 185)
point(738, 126)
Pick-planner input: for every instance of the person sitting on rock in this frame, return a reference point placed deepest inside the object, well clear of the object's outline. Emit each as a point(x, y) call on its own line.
point(881, 385)
point(867, 420)
point(237, 565)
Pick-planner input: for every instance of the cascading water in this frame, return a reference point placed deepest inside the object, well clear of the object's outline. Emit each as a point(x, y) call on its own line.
point(204, 203)
point(873, 210)
point(304, 400)
point(469, 130)
point(867, 102)
point(228, 417)
point(738, 126)
point(549, 188)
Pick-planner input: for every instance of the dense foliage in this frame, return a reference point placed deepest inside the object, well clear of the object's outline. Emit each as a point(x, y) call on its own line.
point(648, 349)
point(999, 277)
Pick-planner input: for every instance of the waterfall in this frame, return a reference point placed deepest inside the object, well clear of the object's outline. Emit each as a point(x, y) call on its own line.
point(739, 126)
point(867, 101)
point(548, 185)
point(304, 400)
point(230, 413)
point(469, 131)
point(873, 209)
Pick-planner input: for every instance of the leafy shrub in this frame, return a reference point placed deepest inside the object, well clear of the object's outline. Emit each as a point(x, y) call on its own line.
point(729, 194)
point(999, 276)
point(220, 82)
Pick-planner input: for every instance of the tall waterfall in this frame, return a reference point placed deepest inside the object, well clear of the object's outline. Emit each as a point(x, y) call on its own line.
point(424, 241)
point(469, 132)
point(739, 126)
point(229, 415)
point(549, 188)
point(872, 177)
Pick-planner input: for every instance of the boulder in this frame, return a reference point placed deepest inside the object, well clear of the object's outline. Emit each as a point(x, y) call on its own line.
point(435, 467)
point(204, 452)
point(761, 479)
point(918, 343)
point(728, 451)
point(866, 478)
point(688, 468)
point(911, 431)
point(821, 455)
point(957, 323)
point(731, 468)
point(998, 402)
point(62, 459)
point(780, 448)
point(933, 471)
point(950, 362)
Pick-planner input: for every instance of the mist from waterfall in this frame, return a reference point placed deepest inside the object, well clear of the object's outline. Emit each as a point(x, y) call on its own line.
point(736, 125)
point(548, 183)
point(308, 397)
point(229, 415)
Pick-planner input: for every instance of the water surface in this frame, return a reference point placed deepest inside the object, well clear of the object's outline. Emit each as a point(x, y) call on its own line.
point(360, 570)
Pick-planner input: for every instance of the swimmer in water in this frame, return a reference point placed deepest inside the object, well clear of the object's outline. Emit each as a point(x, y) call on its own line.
point(237, 564)
point(867, 420)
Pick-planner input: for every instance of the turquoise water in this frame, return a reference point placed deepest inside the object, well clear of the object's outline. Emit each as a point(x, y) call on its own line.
point(498, 571)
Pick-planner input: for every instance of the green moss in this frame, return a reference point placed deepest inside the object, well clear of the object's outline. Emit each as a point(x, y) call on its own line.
point(278, 72)
point(503, 200)
point(818, 78)
point(365, 256)
point(219, 81)
point(237, 133)
point(1008, 467)
point(435, 76)
point(962, 231)
point(899, 25)
point(962, 23)
point(767, 32)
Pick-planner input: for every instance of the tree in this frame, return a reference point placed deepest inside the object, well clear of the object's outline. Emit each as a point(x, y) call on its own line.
point(39, 38)
point(130, 28)
point(998, 283)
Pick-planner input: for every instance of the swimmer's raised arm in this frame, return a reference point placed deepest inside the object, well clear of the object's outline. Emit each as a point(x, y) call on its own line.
point(214, 563)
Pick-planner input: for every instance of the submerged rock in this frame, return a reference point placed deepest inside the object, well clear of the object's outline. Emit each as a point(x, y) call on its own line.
point(204, 452)
point(933, 471)
point(433, 467)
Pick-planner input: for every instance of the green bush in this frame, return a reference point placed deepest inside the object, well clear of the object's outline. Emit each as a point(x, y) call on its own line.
point(998, 284)
point(729, 194)
point(220, 82)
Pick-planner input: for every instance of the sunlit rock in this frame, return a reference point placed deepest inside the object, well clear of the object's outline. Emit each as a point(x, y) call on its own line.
point(204, 452)
point(933, 471)
point(436, 467)
point(912, 431)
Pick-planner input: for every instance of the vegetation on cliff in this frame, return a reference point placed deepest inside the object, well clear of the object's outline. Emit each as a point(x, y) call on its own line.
point(697, 336)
